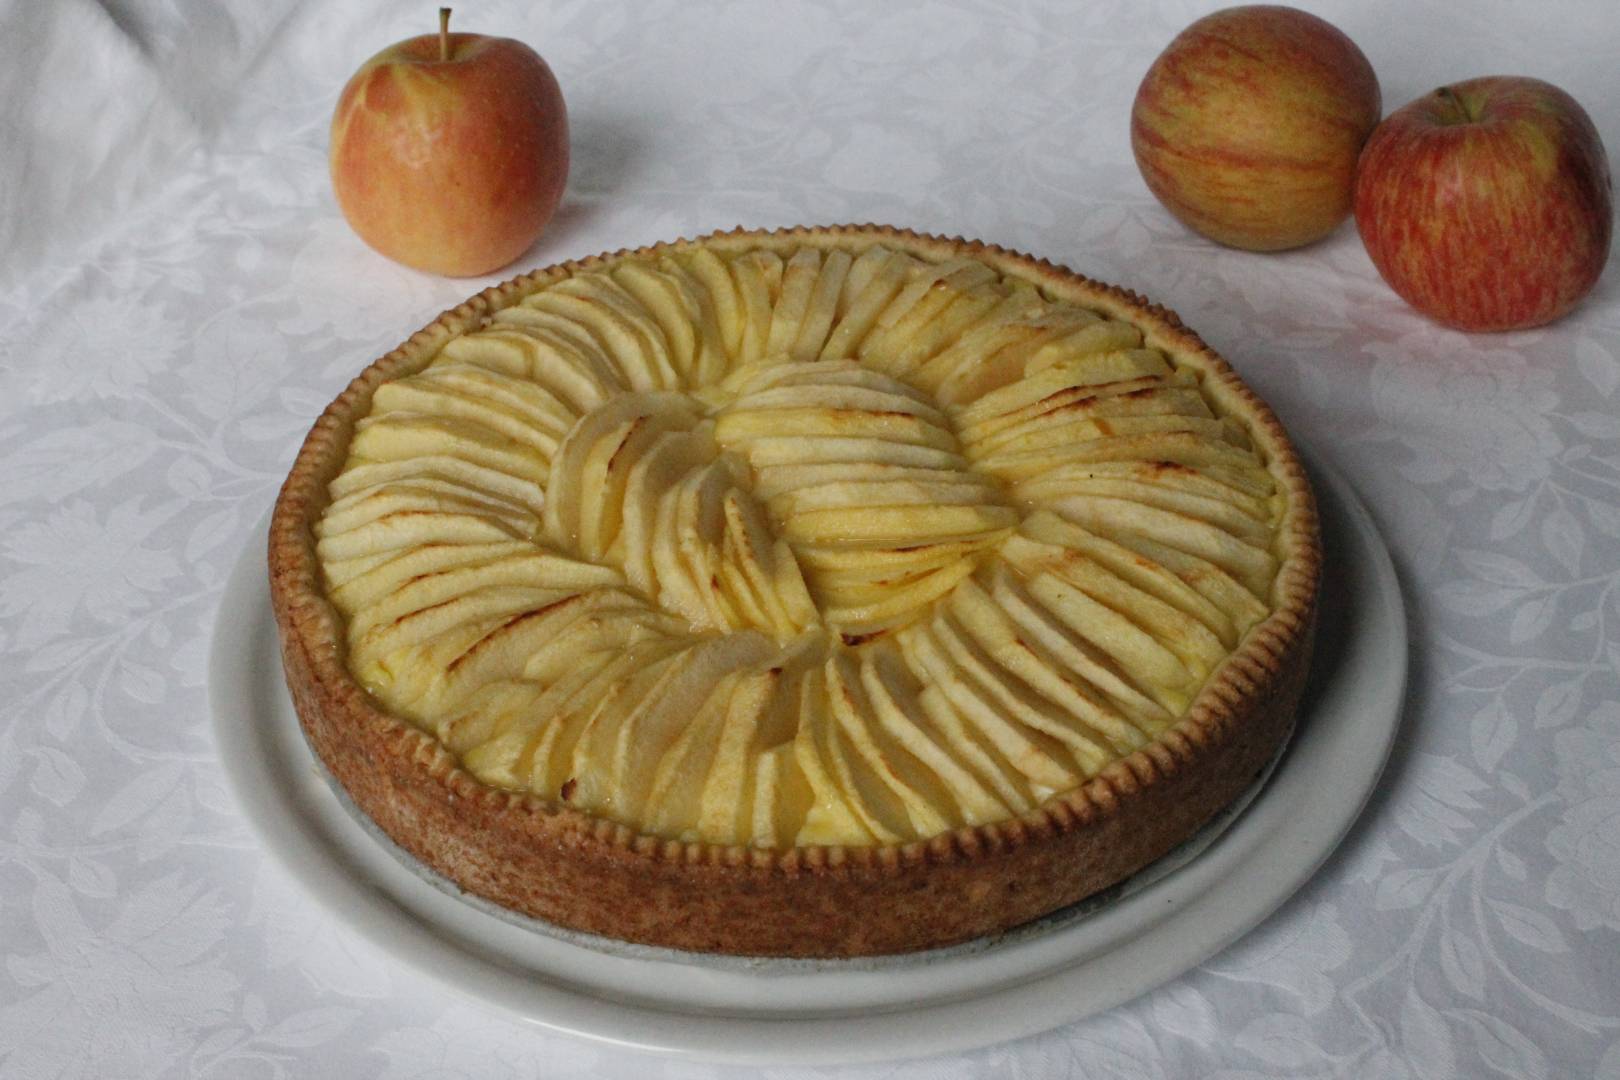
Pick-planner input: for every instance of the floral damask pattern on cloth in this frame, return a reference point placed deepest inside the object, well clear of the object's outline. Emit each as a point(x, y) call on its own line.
point(181, 298)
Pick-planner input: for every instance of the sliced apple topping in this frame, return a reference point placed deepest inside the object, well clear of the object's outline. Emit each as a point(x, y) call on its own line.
point(782, 546)
point(864, 480)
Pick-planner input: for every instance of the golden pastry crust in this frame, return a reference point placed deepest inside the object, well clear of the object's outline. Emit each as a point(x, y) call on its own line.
point(559, 864)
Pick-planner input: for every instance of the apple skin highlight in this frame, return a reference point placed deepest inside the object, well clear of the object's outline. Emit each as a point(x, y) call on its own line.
point(1487, 205)
point(453, 166)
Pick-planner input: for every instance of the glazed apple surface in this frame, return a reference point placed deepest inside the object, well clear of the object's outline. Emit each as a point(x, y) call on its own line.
point(828, 549)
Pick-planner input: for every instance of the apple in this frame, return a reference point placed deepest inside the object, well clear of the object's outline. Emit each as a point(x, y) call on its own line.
point(1486, 204)
point(449, 152)
point(1248, 125)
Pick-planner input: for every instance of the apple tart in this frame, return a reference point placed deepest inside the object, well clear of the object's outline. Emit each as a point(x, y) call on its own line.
point(818, 592)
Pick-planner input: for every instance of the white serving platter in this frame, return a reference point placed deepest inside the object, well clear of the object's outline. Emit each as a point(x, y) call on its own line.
point(1107, 950)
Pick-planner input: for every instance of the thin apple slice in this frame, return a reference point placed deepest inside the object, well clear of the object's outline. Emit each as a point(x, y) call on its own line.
point(726, 805)
point(1151, 667)
point(899, 604)
point(1221, 513)
point(897, 524)
point(495, 707)
point(862, 272)
point(675, 588)
point(1011, 349)
point(401, 435)
point(957, 490)
point(509, 354)
point(1244, 605)
point(1253, 565)
point(684, 557)
point(842, 398)
point(670, 458)
point(620, 625)
point(732, 579)
point(364, 501)
point(761, 557)
point(1085, 746)
point(397, 531)
point(835, 373)
point(710, 359)
point(1037, 755)
point(740, 425)
point(420, 395)
point(763, 452)
point(388, 571)
point(1156, 475)
point(752, 272)
point(1062, 433)
point(775, 481)
point(565, 491)
point(1065, 650)
point(867, 292)
point(619, 324)
point(526, 644)
point(798, 283)
point(1176, 447)
point(888, 780)
point(674, 800)
point(1008, 321)
point(912, 558)
point(821, 309)
point(782, 797)
point(361, 509)
point(557, 355)
point(721, 287)
point(647, 731)
point(1000, 658)
point(919, 304)
point(519, 395)
point(830, 819)
point(661, 297)
point(526, 568)
point(595, 523)
point(359, 473)
point(597, 759)
point(985, 434)
point(975, 752)
point(900, 716)
point(963, 313)
point(1060, 378)
point(499, 603)
point(573, 702)
point(1150, 397)
point(1085, 344)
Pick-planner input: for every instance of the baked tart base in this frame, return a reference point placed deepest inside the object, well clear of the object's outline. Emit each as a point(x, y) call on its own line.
point(557, 863)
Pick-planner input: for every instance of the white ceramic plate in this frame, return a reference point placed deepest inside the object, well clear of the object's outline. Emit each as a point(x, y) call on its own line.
point(1107, 950)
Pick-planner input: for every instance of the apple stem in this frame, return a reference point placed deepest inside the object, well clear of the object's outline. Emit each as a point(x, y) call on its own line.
point(444, 34)
point(1460, 113)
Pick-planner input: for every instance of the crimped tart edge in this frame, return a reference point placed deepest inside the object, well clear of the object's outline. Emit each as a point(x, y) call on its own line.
point(560, 864)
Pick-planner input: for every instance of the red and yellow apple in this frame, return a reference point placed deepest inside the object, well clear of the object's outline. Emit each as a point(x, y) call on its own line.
point(1487, 204)
point(450, 151)
point(1248, 125)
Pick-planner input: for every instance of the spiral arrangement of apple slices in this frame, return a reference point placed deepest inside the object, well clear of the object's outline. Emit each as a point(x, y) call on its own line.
point(819, 543)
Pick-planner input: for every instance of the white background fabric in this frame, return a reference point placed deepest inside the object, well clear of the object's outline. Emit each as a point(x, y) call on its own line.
point(180, 298)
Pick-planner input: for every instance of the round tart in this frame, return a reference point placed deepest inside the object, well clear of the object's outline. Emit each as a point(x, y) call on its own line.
point(819, 592)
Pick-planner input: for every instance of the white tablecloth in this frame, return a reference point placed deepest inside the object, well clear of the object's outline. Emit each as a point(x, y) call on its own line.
point(180, 298)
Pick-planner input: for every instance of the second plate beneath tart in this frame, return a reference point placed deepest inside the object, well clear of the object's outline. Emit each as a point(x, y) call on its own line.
point(781, 1011)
